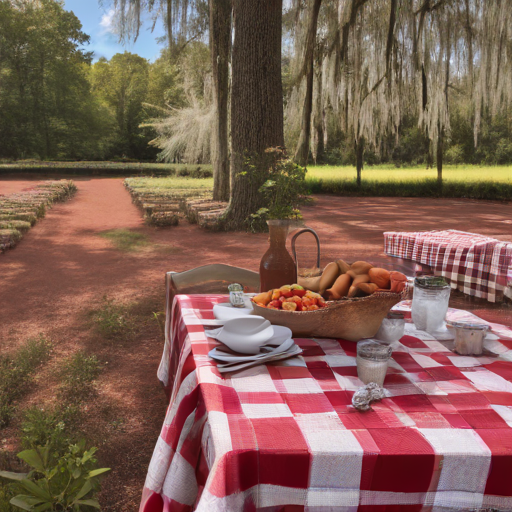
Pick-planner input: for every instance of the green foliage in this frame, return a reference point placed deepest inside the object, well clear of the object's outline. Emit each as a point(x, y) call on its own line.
point(45, 99)
point(122, 84)
point(283, 186)
point(125, 240)
point(17, 372)
point(54, 426)
point(420, 188)
point(113, 320)
point(77, 377)
point(68, 482)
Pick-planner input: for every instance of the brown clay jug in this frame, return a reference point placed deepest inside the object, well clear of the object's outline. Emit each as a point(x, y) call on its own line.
point(277, 267)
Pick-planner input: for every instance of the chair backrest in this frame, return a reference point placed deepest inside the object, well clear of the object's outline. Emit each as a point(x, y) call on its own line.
point(212, 279)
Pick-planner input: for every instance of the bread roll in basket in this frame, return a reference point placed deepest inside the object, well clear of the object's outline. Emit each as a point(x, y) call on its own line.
point(348, 319)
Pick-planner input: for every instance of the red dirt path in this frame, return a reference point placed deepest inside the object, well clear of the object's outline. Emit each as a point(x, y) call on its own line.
point(13, 185)
point(62, 269)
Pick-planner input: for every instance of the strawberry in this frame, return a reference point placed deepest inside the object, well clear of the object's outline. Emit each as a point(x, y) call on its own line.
point(276, 304)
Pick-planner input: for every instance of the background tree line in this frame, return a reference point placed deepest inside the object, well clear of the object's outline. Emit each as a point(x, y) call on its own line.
point(56, 104)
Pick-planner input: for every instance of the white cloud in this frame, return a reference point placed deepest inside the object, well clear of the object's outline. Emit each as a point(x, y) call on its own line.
point(106, 22)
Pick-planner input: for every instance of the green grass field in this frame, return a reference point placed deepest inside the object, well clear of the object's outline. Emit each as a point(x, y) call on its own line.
point(386, 173)
point(468, 181)
point(171, 183)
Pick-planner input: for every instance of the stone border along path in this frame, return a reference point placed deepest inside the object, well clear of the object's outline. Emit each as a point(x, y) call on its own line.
point(168, 207)
point(20, 211)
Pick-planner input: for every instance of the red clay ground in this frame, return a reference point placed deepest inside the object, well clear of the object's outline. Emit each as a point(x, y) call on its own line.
point(62, 269)
point(13, 185)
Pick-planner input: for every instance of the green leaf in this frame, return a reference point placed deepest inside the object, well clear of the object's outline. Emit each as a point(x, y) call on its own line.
point(35, 489)
point(87, 487)
point(96, 472)
point(25, 502)
point(44, 506)
point(13, 476)
point(90, 503)
point(33, 459)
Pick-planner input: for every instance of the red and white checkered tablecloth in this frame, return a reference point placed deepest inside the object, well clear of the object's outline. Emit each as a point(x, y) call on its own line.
point(286, 437)
point(475, 264)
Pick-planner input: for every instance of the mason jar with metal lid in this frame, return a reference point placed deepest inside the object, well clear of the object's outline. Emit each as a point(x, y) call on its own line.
point(372, 361)
point(430, 303)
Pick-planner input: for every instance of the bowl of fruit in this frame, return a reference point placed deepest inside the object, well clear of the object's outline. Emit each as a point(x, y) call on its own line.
point(348, 302)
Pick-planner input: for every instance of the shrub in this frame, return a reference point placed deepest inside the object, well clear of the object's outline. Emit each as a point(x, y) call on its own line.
point(283, 187)
point(16, 374)
point(454, 154)
point(78, 375)
point(113, 320)
point(67, 482)
point(52, 426)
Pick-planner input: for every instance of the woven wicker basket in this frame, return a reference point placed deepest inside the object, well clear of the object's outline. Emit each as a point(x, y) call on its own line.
point(348, 319)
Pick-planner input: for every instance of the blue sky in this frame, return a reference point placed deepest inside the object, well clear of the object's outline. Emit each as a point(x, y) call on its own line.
point(96, 22)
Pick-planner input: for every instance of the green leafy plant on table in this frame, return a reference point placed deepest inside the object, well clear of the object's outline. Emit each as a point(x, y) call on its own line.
point(283, 187)
point(61, 483)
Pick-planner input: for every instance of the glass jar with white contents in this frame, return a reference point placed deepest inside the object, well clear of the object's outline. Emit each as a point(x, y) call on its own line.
point(430, 303)
point(392, 328)
point(372, 361)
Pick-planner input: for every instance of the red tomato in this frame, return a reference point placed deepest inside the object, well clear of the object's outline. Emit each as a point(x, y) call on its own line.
point(299, 293)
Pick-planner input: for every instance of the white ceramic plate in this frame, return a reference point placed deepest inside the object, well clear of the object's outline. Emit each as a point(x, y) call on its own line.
point(225, 311)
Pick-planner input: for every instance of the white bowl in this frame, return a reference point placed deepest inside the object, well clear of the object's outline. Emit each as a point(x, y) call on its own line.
point(225, 311)
point(281, 334)
point(246, 334)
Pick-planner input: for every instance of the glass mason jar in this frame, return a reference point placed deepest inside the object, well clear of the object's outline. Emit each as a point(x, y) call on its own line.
point(392, 328)
point(430, 303)
point(236, 295)
point(372, 361)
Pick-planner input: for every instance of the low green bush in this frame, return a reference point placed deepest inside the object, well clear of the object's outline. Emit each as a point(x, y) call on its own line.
point(423, 188)
point(113, 320)
point(77, 375)
point(17, 373)
point(54, 426)
point(66, 482)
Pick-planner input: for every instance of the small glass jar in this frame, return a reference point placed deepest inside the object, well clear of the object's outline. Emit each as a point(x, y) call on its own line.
point(430, 303)
point(236, 295)
point(392, 328)
point(469, 338)
point(372, 361)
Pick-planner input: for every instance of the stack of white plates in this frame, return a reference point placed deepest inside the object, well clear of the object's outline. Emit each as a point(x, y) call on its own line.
point(251, 340)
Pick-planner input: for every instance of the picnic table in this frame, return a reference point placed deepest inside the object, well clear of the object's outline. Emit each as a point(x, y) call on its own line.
point(475, 264)
point(285, 436)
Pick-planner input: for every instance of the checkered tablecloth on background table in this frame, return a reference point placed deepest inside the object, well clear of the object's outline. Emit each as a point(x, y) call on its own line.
point(286, 437)
point(475, 264)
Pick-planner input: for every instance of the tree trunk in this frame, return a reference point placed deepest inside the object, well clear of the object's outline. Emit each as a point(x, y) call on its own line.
point(439, 157)
point(302, 151)
point(256, 101)
point(220, 44)
point(428, 153)
point(319, 114)
point(359, 147)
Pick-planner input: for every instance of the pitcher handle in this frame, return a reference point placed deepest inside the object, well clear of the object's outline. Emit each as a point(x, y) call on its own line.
point(294, 238)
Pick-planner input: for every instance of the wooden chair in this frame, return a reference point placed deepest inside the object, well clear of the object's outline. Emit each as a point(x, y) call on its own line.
point(207, 279)
point(211, 279)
